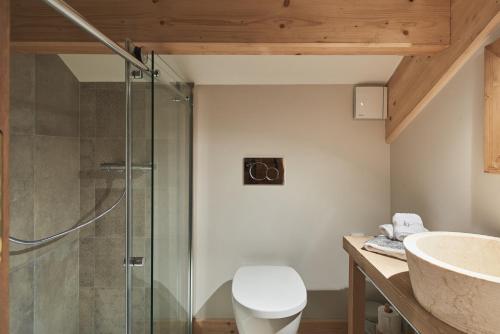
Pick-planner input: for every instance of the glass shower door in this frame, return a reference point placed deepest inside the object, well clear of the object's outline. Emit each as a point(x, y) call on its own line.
point(171, 218)
point(159, 242)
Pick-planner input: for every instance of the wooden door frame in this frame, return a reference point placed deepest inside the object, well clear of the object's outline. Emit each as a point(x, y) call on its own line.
point(4, 127)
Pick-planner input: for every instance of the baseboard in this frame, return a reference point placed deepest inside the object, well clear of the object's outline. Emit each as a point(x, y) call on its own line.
point(323, 327)
point(225, 326)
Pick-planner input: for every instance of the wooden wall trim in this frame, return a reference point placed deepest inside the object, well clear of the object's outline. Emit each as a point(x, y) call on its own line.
point(228, 326)
point(492, 108)
point(418, 79)
point(4, 127)
point(247, 27)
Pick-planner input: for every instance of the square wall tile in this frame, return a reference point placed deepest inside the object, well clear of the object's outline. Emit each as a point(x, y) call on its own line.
point(57, 184)
point(56, 286)
point(57, 98)
point(110, 110)
point(22, 94)
point(21, 188)
point(113, 224)
point(110, 311)
point(87, 262)
point(109, 269)
point(21, 300)
point(87, 110)
point(87, 310)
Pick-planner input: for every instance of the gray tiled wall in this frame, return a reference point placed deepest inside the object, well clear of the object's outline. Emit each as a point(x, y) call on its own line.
point(45, 194)
point(102, 280)
point(62, 130)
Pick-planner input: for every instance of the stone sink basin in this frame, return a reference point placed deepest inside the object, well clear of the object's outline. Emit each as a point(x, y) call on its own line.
point(456, 277)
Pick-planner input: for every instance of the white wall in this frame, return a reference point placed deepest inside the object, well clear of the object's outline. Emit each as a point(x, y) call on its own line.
point(437, 163)
point(283, 69)
point(337, 182)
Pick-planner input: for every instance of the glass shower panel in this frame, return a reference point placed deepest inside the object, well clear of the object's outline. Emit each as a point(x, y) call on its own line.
point(141, 263)
point(68, 145)
point(172, 114)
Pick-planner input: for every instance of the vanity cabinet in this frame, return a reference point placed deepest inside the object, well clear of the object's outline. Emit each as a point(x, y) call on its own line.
point(391, 278)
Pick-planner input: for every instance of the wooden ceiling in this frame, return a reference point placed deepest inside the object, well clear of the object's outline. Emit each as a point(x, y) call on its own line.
point(436, 36)
point(243, 26)
point(418, 79)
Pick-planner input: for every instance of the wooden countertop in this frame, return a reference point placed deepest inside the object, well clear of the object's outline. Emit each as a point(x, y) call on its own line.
point(391, 276)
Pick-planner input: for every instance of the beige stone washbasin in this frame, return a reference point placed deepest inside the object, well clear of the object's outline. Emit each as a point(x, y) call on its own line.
point(456, 277)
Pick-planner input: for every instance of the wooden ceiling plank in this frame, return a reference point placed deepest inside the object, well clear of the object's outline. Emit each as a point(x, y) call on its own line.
point(234, 48)
point(247, 27)
point(418, 79)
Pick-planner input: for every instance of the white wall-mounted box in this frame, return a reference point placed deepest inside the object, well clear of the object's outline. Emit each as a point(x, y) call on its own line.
point(370, 102)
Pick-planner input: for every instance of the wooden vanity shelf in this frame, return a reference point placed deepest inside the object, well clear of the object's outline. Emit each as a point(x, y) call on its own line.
point(390, 276)
point(492, 108)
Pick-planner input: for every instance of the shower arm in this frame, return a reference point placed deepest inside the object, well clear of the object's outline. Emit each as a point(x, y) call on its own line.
point(68, 231)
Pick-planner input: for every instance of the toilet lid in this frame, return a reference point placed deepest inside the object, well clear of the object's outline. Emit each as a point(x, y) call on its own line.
point(269, 292)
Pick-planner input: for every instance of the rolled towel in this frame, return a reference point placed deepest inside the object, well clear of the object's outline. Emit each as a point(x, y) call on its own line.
point(405, 224)
point(387, 230)
point(383, 245)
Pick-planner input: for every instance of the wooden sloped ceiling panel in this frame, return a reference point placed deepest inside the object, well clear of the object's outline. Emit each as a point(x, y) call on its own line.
point(419, 78)
point(242, 26)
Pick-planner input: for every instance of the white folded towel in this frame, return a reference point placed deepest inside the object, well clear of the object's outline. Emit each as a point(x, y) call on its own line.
point(383, 245)
point(405, 224)
point(387, 230)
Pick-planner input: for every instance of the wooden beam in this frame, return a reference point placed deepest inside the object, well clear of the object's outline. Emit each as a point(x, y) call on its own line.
point(246, 27)
point(4, 174)
point(492, 108)
point(419, 78)
point(494, 47)
point(233, 48)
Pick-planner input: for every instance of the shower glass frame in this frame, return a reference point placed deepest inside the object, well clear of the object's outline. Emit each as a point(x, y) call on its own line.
point(169, 89)
point(170, 101)
point(132, 63)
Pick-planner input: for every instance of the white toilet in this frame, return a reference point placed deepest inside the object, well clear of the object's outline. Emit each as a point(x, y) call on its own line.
point(268, 300)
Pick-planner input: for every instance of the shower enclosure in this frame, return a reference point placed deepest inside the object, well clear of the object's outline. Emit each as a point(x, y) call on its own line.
point(100, 193)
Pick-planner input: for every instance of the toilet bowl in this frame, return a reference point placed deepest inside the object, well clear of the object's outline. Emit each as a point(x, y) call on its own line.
point(268, 300)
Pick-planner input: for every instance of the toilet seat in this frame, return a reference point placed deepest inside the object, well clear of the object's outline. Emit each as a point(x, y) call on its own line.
point(269, 292)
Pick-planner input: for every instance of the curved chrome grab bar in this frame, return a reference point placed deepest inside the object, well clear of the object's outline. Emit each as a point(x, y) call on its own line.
point(63, 233)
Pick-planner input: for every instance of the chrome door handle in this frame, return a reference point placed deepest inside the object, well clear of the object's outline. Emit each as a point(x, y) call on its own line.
point(135, 261)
